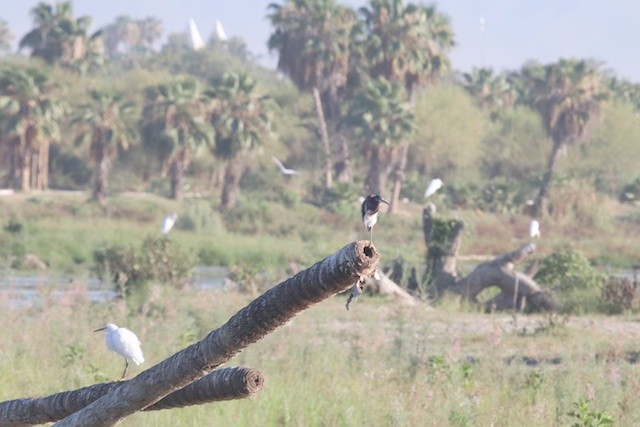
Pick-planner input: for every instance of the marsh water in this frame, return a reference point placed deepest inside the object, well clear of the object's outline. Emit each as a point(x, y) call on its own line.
point(32, 289)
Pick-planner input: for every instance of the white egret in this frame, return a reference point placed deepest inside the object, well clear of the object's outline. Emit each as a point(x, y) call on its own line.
point(534, 229)
point(283, 170)
point(433, 186)
point(125, 343)
point(168, 223)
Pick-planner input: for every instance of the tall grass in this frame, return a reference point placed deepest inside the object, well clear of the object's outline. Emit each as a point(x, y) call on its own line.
point(377, 364)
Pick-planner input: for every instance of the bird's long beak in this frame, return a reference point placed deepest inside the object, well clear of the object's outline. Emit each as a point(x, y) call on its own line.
point(100, 329)
point(384, 201)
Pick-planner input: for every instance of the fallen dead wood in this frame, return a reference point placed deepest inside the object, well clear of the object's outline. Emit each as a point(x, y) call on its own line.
point(334, 274)
point(219, 385)
point(386, 287)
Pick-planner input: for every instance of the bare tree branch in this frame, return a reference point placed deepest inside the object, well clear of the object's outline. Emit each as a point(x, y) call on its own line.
point(275, 307)
point(219, 385)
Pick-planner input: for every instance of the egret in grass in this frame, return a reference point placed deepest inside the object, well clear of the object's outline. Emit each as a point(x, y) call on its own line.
point(283, 170)
point(125, 343)
point(370, 208)
point(434, 185)
point(534, 229)
point(168, 223)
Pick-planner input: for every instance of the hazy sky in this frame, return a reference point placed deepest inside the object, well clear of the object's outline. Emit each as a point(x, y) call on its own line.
point(514, 32)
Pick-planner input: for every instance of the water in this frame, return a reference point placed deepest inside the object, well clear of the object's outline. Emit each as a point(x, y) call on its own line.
point(29, 290)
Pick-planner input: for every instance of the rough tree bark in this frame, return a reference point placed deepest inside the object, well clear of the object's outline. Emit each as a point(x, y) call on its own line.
point(324, 136)
point(387, 287)
point(517, 289)
point(442, 260)
point(274, 308)
point(231, 186)
point(219, 385)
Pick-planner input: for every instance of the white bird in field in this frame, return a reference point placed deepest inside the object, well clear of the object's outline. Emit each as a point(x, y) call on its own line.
point(125, 343)
point(283, 170)
point(433, 186)
point(534, 229)
point(168, 223)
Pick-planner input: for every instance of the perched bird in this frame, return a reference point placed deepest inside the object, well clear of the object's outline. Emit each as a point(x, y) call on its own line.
point(370, 208)
point(125, 343)
point(534, 229)
point(283, 170)
point(168, 222)
point(433, 186)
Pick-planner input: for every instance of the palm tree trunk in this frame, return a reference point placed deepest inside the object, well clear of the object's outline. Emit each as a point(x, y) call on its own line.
point(324, 136)
point(177, 171)
point(231, 186)
point(342, 166)
point(379, 167)
point(334, 274)
point(399, 177)
point(25, 170)
point(219, 385)
point(542, 201)
point(101, 185)
point(41, 165)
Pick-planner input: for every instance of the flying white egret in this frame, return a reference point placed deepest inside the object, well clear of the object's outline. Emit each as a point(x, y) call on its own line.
point(168, 222)
point(284, 170)
point(534, 229)
point(433, 186)
point(125, 343)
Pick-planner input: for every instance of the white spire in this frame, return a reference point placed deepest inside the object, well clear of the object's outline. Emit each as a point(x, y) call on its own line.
point(220, 34)
point(196, 39)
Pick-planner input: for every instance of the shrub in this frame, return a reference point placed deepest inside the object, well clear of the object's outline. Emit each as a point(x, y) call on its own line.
point(159, 259)
point(618, 295)
point(571, 276)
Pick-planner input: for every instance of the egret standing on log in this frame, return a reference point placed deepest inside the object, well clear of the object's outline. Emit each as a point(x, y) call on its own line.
point(370, 208)
point(125, 343)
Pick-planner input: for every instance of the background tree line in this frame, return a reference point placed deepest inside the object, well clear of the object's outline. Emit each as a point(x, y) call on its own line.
point(374, 103)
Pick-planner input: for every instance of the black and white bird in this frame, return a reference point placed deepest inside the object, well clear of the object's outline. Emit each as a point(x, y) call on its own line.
point(370, 208)
point(283, 170)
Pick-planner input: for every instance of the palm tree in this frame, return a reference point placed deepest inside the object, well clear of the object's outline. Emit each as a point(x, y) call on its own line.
point(150, 31)
point(568, 95)
point(174, 126)
point(242, 120)
point(382, 118)
point(6, 36)
point(313, 41)
point(105, 125)
point(406, 44)
point(58, 37)
point(492, 93)
point(30, 111)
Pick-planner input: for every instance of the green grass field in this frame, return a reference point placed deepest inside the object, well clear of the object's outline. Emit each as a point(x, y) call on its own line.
point(377, 364)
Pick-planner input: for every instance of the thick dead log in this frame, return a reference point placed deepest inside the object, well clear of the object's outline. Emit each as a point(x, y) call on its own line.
point(442, 258)
point(219, 385)
point(387, 287)
point(274, 308)
point(517, 289)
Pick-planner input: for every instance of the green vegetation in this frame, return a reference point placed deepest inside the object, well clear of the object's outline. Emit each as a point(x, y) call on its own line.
point(376, 364)
point(372, 103)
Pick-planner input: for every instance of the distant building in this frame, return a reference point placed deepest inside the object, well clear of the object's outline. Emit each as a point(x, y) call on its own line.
point(220, 34)
point(196, 38)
